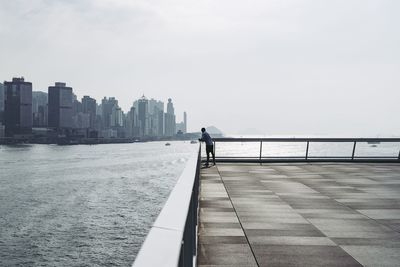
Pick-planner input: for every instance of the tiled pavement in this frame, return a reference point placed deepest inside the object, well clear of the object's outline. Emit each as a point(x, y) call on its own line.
point(300, 215)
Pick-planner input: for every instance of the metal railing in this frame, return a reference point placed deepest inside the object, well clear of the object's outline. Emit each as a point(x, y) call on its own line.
point(307, 157)
point(172, 240)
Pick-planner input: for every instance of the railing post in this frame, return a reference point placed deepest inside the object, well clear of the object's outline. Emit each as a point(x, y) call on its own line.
point(194, 223)
point(354, 150)
point(398, 156)
point(188, 236)
point(260, 151)
point(214, 148)
point(182, 255)
point(308, 145)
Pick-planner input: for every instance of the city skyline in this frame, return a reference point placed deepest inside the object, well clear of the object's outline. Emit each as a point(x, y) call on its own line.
point(65, 116)
point(180, 115)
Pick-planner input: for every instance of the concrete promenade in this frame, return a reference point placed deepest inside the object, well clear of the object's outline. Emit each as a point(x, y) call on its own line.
point(300, 215)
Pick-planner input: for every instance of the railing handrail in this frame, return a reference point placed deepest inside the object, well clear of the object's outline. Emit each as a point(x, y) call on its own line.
point(308, 140)
point(164, 243)
point(304, 139)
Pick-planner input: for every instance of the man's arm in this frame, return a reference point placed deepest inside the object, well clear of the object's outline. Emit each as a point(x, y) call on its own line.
point(202, 138)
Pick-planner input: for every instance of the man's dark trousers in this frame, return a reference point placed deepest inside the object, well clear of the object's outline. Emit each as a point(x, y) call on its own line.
point(210, 149)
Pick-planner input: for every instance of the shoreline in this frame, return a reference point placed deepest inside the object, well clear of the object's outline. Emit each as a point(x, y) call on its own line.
point(87, 141)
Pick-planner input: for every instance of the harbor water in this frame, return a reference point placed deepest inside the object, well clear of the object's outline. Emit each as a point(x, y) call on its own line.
point(83, 205)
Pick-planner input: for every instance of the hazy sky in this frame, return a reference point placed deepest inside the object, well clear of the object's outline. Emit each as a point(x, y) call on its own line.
point(266, 66)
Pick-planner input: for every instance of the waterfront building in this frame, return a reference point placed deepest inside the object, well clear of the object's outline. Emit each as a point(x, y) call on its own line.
point(170, 107)
point(106, 110)
point(117, 117)
point(185, 121)
point(99, 117)
point(89, 106)
point(143, 114)
point(18, 108)
point(81, 121)
point(60, 107)
point(160, 120)
point(169, 119)
point(76, 105)
point(129, 123)
point(1, 103)
point(39, 108)
point(156, 118)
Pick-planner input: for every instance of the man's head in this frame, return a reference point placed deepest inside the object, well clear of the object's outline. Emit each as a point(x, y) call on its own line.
point(203, 130)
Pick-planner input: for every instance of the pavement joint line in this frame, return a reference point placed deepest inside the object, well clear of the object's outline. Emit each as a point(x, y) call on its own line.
point(356, 211)
point(237, 216)
point(279, 171)
point(344, 205)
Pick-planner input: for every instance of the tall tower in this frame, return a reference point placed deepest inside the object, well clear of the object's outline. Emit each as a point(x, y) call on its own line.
point(106, 108)
point(18, 107)
point(170, 107)
point(89, 106)
point(60, 106)
point(1, 103)
point(185, 122)
point(39, 108)
point(170, 123)
point(143, 113)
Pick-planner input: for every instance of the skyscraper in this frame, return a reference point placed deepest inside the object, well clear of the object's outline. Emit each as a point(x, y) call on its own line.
point(89, 107)
point(156, 118)
point(160, 120)
point(76, 105)
point(60, 106)
point(185, 122)
point(130, 123)
point(170, 107)
point(143, 115)
point(18, 107)
point(106, 108)
point(170, 123)
point(1, 103)
point(39, 108)
point(116, 117)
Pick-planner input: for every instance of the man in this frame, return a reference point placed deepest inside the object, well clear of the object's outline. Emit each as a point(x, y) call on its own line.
point(205, 137)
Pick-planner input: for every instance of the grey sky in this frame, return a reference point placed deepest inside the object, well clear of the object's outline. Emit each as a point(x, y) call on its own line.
point(277, 67)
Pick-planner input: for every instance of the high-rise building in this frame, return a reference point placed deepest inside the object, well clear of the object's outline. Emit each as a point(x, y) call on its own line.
point(106, 110)
point(156, 118)
point(170, 121)
point(117, 117)
point(185, 122)
point(39, 108)
point(160, 120)
point(81, 121)
point(89, 106)
point(18, 107)
point(60, 106)
point(1, 103)
point(130, 123)
point(76, 105)
point(143, 114)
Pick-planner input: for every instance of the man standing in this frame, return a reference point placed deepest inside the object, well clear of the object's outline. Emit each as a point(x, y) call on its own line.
point(205, 137)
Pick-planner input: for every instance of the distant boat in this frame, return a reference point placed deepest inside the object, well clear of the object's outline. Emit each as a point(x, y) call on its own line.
point(167, 144)
point(193, 142)
point(373, 145)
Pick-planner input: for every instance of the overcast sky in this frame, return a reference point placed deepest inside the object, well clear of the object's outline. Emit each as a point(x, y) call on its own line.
point(266, 66)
